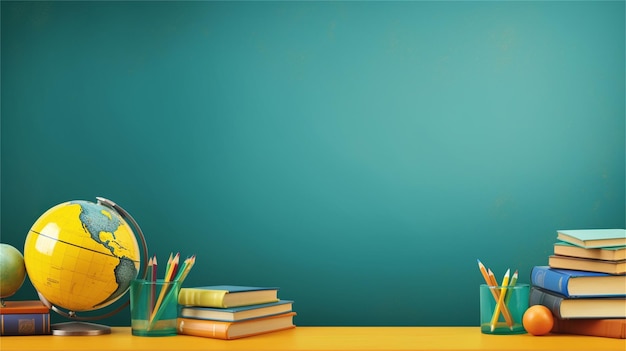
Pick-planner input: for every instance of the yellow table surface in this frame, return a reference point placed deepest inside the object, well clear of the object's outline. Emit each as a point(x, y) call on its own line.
point(322, 338)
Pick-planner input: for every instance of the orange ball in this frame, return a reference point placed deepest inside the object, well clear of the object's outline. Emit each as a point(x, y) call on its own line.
point(538, 320)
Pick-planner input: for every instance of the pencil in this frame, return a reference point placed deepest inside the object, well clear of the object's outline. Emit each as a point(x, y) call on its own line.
point(496, 312)
point(149, 280)
point(491, 282)
point(484, 272)
point(175, 261)
point(168, 265)
point(153, 279)
point(494, 282)
point(511, 284)
point(188, 264)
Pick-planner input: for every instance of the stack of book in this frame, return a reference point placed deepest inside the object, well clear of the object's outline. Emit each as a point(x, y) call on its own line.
point(232, 312)
point(30, 317)
point(584, 284)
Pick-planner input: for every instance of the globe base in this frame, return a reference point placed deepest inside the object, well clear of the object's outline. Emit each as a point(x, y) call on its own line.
point(79, 328)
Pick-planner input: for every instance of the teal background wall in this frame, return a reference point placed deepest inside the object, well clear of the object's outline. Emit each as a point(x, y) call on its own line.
point(359, 155)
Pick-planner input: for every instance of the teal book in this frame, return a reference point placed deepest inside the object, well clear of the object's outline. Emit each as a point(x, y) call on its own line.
point(236, 314)
point(593, 238)
point(226, 296)
point(573, 283)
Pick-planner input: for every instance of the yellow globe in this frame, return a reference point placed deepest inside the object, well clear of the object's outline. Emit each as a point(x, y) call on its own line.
point(81, 256)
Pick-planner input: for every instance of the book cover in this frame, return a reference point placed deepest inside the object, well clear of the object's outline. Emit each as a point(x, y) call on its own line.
point(26, 306)
point(586, 264)
point(572, 283)
point(27, 317)
point(234, 330)
point(593, 238)
point(235, 314)
point(562, 307)
point(608, 328)
point(24, 324)
point(615, 253)
point(225, 296)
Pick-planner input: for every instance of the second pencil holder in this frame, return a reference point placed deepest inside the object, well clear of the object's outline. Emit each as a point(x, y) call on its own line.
point(508, 317)
point(153, 307)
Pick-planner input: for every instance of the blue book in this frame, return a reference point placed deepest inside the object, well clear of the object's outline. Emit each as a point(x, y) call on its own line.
point(576, 284)
point(236, 314)
point(25, 324)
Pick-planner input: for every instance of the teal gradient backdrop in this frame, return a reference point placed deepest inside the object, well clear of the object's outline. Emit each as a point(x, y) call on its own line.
point(359, 155)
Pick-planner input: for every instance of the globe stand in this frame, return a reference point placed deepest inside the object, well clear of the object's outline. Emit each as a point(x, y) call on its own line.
point(79, 329)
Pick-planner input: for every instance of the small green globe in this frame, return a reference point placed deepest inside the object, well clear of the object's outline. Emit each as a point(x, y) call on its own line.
point(12, 270)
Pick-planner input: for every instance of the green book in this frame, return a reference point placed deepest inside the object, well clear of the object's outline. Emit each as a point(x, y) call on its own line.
point(593, 238)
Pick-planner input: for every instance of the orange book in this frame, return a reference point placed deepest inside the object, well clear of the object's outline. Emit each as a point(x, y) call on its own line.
point(233, 330)
point(24, 307)
point(608, 328)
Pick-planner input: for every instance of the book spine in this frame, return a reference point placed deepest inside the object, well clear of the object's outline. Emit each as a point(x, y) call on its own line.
point(25, 324)
point(546, 278)
point(608, 328)
point(553, 302)
point(204, 328)
point(203, 298)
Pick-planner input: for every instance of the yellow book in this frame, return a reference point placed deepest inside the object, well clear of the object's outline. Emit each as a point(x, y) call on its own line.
point(226, 296)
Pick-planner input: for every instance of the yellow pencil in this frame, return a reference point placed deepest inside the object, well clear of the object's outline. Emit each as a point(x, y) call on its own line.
point(496, 313)
point(511, 284)
point(490, 280)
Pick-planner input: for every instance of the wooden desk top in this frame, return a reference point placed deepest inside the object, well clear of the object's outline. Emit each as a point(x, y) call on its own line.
point(321, 338)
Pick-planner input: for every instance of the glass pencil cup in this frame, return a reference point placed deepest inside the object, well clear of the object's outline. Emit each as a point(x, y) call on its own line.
point(153, 307)
point(503, 314)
